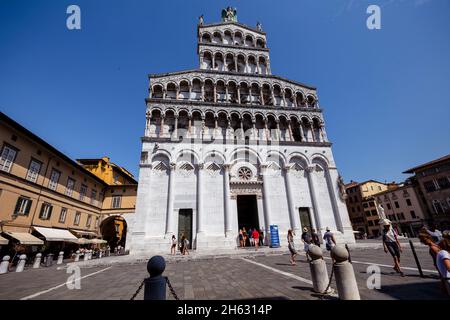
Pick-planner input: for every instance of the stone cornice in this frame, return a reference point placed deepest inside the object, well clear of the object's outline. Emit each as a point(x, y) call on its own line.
point(252, 142)
point(229, 106)
point(237, 24)
point(232, 47)
point(228, 74)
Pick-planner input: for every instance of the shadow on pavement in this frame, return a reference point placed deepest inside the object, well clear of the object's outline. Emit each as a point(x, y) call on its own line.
point(414, 291)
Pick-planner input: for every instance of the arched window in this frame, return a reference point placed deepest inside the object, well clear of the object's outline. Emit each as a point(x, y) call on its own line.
point(218, 62)
point(260, 43)
point(157, 92)
point(300, 99)
point(228, 38)
point(262, 65)
point(238, 40)
point(184, 90)
point(220, 91)
point(255, 94)
point(230, 63)
point(217, 37)
point(232, 92)
point(277, 95)
point(207, 60)
point(249, 41)
point(289, 97)
point(209, 91)
point(206, 38)
point(251, 66)
point(196, 93)
point(245, 93)
point(267, 95)
point(241, 63)
point(171, 91)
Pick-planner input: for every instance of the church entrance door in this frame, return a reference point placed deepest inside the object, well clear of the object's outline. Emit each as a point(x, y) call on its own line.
point(247, 212)
point(185, 225)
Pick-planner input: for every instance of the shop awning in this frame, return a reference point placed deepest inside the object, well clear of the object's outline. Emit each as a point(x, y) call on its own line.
point(25, 238)
point(55, 234)
point(84, 233)
point(98, 241)
point(3, 241)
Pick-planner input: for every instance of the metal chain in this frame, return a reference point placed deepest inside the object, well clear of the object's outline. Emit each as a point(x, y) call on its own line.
point(172, 291)
point(138, 290)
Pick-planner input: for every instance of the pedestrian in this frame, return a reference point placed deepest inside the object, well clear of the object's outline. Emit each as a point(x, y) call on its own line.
point(241, 238)
point(291, 247)
point(250, 237)
point(255, 236)
point(182, 243)
point(315, 237)
point(391, 244)
point(306, 238)
point(244, 235)
point(435, 233)
point(443, 260)
point(173, 247)
point(186, 245)
point(330, 241)
point(261, 237)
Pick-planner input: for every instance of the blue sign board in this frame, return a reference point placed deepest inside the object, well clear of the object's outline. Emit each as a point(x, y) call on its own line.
point(274, 236)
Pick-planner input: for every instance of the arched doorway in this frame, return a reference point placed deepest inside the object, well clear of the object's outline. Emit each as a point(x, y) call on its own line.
point(114, 231)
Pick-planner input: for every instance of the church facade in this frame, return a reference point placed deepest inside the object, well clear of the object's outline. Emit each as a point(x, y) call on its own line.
point(230, 145)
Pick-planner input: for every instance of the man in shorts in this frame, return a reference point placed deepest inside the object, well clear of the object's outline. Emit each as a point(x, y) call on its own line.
point(391, 244)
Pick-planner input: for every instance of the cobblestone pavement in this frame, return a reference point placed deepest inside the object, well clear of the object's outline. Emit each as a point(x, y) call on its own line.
point(261, 276)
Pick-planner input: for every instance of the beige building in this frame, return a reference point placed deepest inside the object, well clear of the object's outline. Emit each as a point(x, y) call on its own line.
point(433, 180)
point(46, 197)
point(361, 205)
point(404, 208)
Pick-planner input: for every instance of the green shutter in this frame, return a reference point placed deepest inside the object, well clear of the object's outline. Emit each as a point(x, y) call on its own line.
point(19, 201)
point(50, 212)
point(28, 207)
point(42, 210)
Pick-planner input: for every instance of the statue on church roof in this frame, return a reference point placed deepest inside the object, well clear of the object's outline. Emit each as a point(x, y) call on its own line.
point(259, 26)
point(200, 20)
point(229, 14)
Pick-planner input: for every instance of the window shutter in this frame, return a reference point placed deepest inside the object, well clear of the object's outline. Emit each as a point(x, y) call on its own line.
point(49, 212)
point(27, 209)
point(19, 201)
point(42, 210)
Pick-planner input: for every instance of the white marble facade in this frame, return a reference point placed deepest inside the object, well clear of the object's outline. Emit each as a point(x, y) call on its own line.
point(223, 131)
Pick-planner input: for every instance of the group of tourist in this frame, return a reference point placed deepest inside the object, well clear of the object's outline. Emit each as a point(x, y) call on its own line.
point(308, 239)
point(439, 249)
point(183, 245)
point(251, 238)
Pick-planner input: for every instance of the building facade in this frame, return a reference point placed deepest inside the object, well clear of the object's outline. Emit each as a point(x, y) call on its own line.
point(43, 189)
point(362, 208)
point(230, 145)
point(433, 179)
point(404, 208)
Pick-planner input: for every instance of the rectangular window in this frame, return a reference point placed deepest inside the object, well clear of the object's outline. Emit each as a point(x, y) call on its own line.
point(23, 206)
point(396, 204)
point(70, 186)
point(367, 213)
point(7, 158)
point(413, 214)
point(46, 211)
point(408, 202)
point(400, 216)
point(443, 183)
point(63, 215)
point(388, 206)
point(88, 221)
point(374, 213)
point(83, 191)
point(365, 205)
point(54, 179)
point(33, 170)
point(437, 207)
point(429, 186)
point(116, 200)
point(93, 196)
point(370, 222)
point(76, 221)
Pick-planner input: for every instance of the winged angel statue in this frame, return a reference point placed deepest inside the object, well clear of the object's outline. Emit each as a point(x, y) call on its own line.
point(229, 14)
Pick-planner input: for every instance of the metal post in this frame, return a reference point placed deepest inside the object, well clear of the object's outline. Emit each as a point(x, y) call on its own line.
point(155, 285)
point(349, 256)
point(415, 258)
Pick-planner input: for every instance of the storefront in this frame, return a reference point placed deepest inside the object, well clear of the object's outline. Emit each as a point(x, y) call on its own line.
point(56, 240)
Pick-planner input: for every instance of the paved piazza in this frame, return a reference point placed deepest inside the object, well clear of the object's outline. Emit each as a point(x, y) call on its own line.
point(265, 275)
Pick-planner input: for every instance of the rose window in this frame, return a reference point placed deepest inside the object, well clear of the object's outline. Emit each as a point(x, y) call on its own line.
point(244, 173)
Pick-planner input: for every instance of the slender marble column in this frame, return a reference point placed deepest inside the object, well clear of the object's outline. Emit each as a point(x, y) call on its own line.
point(170, 199)
point(226, 192)
point(312, 188)
point(161, 130)
point(200, 213)
point(175, 130)
point(291, 136)
point(302, 134)
point(266, 201)
point(290, 198)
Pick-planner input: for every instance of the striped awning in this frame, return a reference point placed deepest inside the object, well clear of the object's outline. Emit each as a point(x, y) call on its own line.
point(25, 238)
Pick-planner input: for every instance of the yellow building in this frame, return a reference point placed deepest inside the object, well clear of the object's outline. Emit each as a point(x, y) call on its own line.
point(119, 198)
point(362, 207)
point(48, 198)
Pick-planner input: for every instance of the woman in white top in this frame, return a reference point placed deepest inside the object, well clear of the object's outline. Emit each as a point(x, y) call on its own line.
point(173, 248)
point(443, 260)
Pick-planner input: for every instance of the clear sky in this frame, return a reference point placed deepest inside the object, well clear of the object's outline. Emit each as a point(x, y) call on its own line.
point(385, 93)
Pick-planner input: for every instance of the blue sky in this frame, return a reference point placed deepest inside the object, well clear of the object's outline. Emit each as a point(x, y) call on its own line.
point(385, 93)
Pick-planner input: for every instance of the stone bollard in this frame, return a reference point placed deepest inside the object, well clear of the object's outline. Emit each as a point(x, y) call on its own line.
point(155, 285)
point(90, 255)
point(4, 264)
point(100, 254)
point(60, 257)
point(37, 261)
point(345, 275)
point(49, 261)
point(77, 256)
point(21, 263)
point(318, 268)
